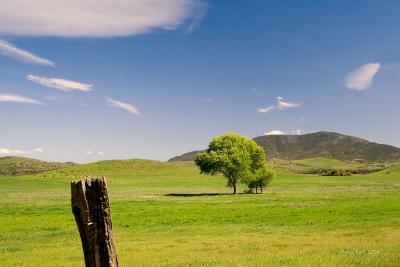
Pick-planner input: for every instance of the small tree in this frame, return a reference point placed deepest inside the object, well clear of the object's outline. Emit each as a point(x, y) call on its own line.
point(260, 178)
point(233, 156)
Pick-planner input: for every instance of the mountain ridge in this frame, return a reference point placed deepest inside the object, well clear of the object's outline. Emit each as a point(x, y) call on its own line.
point(318, 144)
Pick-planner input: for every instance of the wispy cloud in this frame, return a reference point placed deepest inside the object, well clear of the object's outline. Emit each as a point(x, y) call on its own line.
point(279, 132)
point(89, 152)
point(6, 151)
point(9, 50)
point(281, 104)
point(362, 78)
point(266, 110)
point(60, 84)
point(275, 132)
point(95, 18)
point(18, 99)
point(123, 105)
point(297, 132)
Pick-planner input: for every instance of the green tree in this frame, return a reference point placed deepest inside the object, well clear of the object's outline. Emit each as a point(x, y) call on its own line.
point(233, 156)
point(259, 178)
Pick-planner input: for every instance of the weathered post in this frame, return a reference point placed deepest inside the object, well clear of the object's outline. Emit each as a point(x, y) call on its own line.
point(91, 208)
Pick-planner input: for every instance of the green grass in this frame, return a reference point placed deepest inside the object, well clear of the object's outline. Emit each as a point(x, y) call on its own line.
point(167, 214)
point(322, 165)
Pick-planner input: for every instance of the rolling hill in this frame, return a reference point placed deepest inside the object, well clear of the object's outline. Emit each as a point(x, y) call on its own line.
point(320, 144)
point(20, 165)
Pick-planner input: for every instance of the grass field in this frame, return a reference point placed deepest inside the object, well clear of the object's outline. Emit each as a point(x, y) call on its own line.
point(323, 165)
point(167, 214)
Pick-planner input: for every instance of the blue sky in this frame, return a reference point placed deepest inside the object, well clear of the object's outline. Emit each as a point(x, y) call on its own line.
point(154, 79)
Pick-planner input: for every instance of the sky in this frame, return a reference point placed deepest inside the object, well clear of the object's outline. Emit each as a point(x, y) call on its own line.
point(92, 80)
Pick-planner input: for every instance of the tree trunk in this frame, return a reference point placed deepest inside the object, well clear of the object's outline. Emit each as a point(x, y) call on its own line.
point(234, 188)
point(256, 190)
point(89, 200)
point(261, 189)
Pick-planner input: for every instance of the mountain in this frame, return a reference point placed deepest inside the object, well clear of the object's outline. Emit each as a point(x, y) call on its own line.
point(190, 156)
point(320, 144)
point(20, 165)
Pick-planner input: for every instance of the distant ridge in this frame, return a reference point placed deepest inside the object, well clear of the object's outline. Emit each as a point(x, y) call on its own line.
point(320, 144)
point(19, 166)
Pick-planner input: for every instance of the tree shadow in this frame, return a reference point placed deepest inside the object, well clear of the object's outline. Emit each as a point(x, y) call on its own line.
point(196, 194)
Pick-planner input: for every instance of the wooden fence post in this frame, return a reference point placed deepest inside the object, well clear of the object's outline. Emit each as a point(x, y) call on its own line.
point(91, 208)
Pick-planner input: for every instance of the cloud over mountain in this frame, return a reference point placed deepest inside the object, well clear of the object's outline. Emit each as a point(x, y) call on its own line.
point(361, 78)
point(281, 104)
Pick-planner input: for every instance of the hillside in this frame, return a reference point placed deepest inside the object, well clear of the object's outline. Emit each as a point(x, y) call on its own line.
point(19, 166)
point(320, 144)
point(168, 214)
point(190, 156)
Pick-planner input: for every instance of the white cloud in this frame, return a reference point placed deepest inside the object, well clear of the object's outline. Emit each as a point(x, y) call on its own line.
point(6, 151)
point(266, 110)
point(123, 105)
point(208, 100)
point(89, 152)
point(18, 99)
point(297, 132)
point(361, 79)
point(275, 132)
point(281, 104)
point(60, 84)
point(95, 18)
point(9, 50)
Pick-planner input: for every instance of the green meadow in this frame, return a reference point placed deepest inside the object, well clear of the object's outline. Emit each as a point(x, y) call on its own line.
point(167, 214)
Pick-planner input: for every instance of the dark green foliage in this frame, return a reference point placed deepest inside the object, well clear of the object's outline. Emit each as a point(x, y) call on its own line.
point(259, 179)
point(342, 172)
point(233, 156)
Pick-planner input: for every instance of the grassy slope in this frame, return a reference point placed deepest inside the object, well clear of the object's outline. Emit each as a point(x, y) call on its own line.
point(301, 220)
point(317, 165)
point(19, 166)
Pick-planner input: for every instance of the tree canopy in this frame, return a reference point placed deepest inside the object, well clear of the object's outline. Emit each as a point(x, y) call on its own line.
point(259, 178)
point(235, 157)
